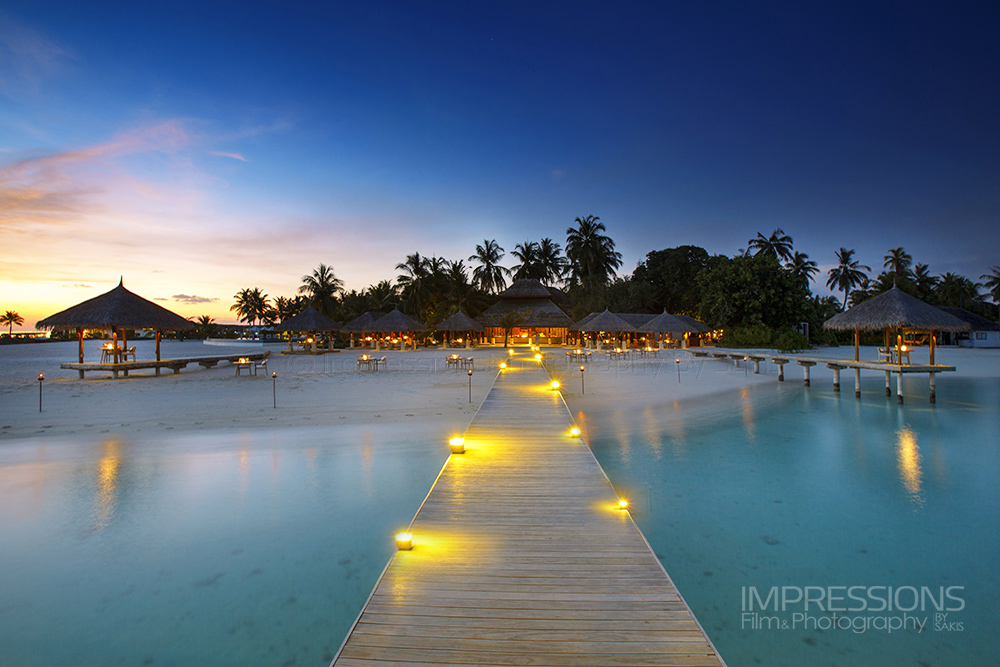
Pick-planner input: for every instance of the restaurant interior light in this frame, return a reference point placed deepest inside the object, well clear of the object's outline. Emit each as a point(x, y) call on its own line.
point(404, 541)
point(457, 445)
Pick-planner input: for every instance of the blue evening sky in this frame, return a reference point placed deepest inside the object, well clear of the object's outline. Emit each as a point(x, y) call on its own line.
point(199, 148)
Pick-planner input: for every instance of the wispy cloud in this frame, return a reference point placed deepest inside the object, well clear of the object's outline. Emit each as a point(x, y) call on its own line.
point(63, 187)
point(27, 58)
point(192, 299)
point(235, 156)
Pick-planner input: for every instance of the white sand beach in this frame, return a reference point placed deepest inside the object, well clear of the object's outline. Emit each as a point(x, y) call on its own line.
point(328, 390)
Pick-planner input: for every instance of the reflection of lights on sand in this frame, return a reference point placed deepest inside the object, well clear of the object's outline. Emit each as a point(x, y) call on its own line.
point(107, 482)
point(908, 459)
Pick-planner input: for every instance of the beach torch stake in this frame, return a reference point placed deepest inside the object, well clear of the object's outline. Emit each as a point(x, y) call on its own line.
point(470, 386)
point(274, 388)
point(677, 362)
point(583, 385)
point(41, 378)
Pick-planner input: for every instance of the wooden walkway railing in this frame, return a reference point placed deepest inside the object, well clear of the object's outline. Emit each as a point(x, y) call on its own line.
point(521, 557)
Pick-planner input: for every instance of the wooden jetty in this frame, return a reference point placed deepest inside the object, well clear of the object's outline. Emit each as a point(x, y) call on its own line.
point(174, 364)
point(836, 365)
point(521, 556)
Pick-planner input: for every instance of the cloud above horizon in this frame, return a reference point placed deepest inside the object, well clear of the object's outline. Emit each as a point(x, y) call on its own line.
point(192, 299)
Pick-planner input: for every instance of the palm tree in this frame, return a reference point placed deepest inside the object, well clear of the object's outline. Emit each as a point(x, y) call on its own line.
point(489, 276)
point(802, 267)
point(848, 273)
point(552, 263)
point(382, 296)
point(287, 308)
point(530, 266)
point(206, 325)
point(591, 254)
point(508, 322)
point(322, 288)
point(252, 305)
point(898, 262)
point(778, 245)
point(417, 280)
point(460, 293)
point(956, 290)
point(991, 281)
point(923, 281)
point(11, 319)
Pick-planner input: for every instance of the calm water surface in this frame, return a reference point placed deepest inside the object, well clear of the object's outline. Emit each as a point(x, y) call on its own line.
point(247, 549)
point(779, 486)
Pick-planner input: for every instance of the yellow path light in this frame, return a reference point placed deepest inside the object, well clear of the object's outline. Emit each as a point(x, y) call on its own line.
point(503, 365)
point(457, 445)
point(575, 432)
point(623, 504)
point(555, 384)
point(404, 541)
point(538, 357)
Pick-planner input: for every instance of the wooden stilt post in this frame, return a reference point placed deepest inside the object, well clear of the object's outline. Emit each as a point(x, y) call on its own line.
point(857, 343)
point(857, 383)
point(781, 372)
point(933, 396)
point(932, 359)
point(805, 370)
point(756, 366)
point(80, 336)
point(899, 388)
point(836, 379)
point(888, 384)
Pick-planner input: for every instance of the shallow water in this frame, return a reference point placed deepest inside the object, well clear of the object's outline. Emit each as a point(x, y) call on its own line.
point(245, 549)
point(780, 486)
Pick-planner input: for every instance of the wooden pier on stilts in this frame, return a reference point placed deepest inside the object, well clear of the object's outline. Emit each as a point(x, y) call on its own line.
point(521, 555)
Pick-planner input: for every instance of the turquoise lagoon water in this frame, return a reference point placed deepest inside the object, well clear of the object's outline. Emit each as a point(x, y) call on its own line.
point(253, 549)
point(781, 486)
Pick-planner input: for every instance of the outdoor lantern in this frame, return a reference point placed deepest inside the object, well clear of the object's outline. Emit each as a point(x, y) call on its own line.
point(404, 541)
point(575, 432)
point(457, 445)
point(503, 365)
point(623, 504)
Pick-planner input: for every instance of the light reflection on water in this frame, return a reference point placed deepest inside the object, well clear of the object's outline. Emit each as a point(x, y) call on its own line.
point(253, 548)
point(786, 486)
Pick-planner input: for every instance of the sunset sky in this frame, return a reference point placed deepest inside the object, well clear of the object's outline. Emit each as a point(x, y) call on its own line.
point(199, 148)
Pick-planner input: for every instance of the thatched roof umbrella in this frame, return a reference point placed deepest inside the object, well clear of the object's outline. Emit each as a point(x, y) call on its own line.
point(695, 325)
point(362, 323)
point(117, 309)
point(665, 323)
point(310, 320)
point(397, 321)
point(460, 322)
point(895, 309)
point(582, 324)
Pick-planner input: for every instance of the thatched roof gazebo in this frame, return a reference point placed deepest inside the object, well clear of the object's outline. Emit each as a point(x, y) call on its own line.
point(116, 310)
point(895, 309)
point(460, 322)
point(609, 322)
point(665, 323)
point(397, 322)
point(311, 320)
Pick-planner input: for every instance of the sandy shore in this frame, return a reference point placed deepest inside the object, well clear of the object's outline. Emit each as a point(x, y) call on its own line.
point(327, 390)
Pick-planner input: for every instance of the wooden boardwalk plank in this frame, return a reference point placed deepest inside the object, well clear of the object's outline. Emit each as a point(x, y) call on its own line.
point(521, 557)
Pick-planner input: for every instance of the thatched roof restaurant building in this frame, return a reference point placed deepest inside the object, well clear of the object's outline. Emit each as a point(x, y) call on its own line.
point(531, 305)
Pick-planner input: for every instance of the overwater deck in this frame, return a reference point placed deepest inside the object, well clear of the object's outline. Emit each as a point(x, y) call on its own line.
point(522, 557)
